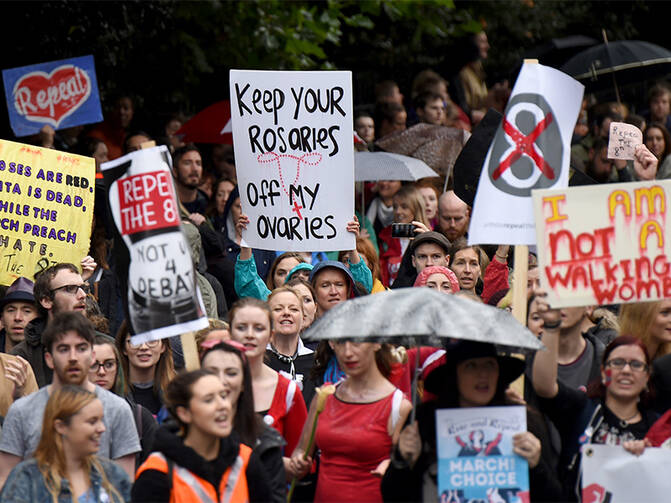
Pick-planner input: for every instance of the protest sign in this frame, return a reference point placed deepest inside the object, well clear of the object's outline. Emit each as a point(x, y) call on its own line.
point(612, 475)
point(60, 93)
point(475, 455)
point(604, 244)
point(153, 258)
point(622, 140)
point(46, 209)
point(294, 155)
point(530, 150)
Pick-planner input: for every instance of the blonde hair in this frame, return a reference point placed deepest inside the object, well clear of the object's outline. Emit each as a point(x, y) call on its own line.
point(63, 404)
point(286, 289)
point(636, 319)
point(415, 200)
point(214, 324)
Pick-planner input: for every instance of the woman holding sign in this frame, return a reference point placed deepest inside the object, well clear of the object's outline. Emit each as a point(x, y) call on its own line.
point(614, 411)
point(474, 375)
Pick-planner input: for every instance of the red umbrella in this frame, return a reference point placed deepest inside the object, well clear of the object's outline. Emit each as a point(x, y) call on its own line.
point(212, 125)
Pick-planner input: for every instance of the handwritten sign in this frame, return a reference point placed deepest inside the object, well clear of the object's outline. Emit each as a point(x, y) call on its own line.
point(59, 93)
point(622, 140)
point(604, 244)
point(475, 454)
point(154, 261)
point(530, 150)
point(612, 475)
point(46, 208)
point(294, 152)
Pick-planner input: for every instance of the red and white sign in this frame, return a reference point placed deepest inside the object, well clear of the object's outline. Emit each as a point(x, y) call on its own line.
point(147, 202)
point(52, 97)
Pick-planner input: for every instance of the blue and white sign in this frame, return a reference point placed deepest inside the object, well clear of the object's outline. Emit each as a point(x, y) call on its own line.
point(60, 93)
point(475, 455)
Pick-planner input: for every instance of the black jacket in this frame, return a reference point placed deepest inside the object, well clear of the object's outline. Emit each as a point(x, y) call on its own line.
point(31, 349)
point(154, 486)
point(269, 447)
point(406, 484)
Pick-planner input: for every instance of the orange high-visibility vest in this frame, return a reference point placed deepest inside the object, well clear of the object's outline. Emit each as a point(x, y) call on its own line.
point(188, 487)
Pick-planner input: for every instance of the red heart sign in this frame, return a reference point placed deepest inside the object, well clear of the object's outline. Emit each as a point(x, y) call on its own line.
point(53, 97)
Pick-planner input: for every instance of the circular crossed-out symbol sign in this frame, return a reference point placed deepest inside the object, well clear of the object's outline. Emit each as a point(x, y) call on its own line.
point(527, 150)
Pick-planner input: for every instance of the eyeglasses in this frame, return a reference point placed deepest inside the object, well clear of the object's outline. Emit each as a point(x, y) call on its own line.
point(149, 344)
point(620, 363)
point(73, 289)
point(108, 365)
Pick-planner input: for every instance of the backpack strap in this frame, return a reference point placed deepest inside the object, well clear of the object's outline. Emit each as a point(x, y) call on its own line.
point(396, 401)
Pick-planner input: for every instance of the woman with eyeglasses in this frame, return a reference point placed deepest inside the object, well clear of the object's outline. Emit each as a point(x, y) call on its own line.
point(286, 353)
point(147, 369)
point(106, 372)
point(614, 411)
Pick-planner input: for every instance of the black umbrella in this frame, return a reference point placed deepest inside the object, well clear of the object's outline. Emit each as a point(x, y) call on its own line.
point(630, 59)
point(416, 316)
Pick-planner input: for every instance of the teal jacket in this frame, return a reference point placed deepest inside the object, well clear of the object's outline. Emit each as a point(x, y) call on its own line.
point(249, 284)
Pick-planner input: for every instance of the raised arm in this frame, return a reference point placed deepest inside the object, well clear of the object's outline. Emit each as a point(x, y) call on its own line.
point(544, 371)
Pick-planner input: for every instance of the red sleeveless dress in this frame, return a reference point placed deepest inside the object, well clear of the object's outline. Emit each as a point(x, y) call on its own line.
point(353, 439)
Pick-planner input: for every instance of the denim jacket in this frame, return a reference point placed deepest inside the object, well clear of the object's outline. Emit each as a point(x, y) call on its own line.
point(25, 484)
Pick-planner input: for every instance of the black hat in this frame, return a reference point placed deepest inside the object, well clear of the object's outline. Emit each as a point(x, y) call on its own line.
point(510, 368)
point(20, 291)
point(430, 237)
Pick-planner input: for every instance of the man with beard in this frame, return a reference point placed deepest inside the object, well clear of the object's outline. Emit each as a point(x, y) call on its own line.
point(454, 215)
point(58, 289)
point(68, 340)
point(605, 170)
point(187, 165)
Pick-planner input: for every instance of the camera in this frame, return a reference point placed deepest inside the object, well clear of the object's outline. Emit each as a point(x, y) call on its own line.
point(403, 231)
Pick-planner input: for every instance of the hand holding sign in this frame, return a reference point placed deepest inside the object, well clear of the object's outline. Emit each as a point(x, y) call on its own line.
point(623, 140)
point(645, 163)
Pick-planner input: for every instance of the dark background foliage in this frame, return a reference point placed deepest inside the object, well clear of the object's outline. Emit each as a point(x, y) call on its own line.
point(175, 56)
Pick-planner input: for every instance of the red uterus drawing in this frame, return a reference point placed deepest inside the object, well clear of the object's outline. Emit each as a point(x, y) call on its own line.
point(288, 164)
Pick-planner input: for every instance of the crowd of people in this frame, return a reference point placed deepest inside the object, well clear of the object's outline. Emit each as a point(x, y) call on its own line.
point(90, 416)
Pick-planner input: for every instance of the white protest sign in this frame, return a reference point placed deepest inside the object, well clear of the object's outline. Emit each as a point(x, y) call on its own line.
point(531, 150)
point(475, 454)
point(612, 475)
point(294, 155)
point(604, 244)
point(622, 140)
point(153, 258)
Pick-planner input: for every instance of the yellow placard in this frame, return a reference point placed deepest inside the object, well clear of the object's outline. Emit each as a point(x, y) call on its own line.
point(46, 208)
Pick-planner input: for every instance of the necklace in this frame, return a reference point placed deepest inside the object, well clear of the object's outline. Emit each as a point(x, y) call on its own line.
point(287, 360)
point(625, 422)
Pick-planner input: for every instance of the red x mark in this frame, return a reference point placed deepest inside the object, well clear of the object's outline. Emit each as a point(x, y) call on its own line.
point(297, 209)
point(525, 145)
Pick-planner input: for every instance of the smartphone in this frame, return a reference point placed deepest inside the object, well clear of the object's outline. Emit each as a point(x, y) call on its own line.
point(402, 231)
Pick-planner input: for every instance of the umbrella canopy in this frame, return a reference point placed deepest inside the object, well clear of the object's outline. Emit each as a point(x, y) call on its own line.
point(414, 316)
point(437, 146)
point(619, 56)
point(211, 125)
point(373, 166)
